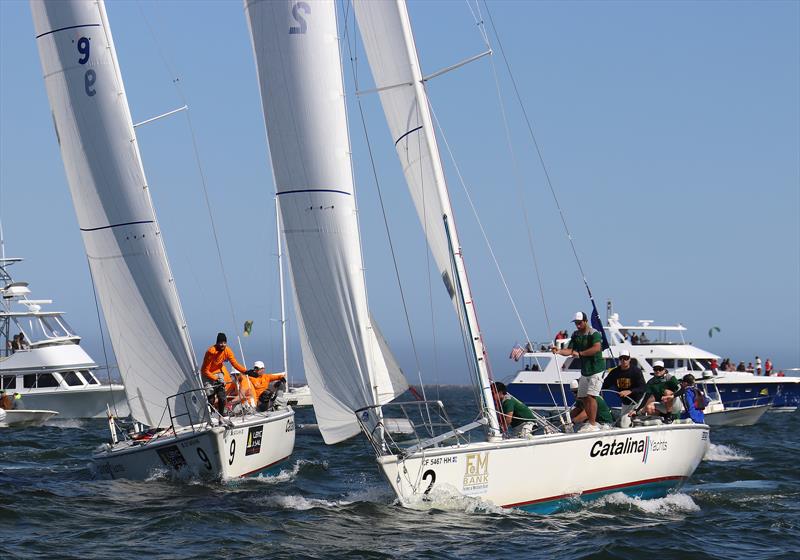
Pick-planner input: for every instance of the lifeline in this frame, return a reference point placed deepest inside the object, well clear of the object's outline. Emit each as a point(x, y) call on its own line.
point(617, 448)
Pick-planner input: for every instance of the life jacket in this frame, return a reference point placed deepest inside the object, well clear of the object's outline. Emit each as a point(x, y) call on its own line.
point(700, 399)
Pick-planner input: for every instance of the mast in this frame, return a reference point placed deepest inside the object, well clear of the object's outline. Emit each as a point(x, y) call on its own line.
point(280, 283)
point(379, 23)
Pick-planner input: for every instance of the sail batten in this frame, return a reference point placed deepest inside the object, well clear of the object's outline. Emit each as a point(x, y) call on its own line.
point(123, 244)
point(300, 76)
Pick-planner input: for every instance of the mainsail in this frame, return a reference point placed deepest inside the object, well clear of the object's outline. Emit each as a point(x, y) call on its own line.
point(112, 201)
point(347, 364)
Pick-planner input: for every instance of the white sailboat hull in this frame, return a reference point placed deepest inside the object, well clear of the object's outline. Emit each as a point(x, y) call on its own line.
point(299, 396)
point(743, 416)
point(545, 474)
point(251, 445)
point(24, 418)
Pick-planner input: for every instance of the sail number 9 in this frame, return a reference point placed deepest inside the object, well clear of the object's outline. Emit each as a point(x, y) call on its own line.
point(296, 9)
point(90, 77)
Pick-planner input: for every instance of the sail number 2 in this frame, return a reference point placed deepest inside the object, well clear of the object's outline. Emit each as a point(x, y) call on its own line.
point(89, 77)
point(296, 9)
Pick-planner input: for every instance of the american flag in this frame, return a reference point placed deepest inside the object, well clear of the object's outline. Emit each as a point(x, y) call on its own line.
point(517, 352)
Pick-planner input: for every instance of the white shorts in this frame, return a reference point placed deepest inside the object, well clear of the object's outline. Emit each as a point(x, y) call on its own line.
point(677, 406)
point(590, 385)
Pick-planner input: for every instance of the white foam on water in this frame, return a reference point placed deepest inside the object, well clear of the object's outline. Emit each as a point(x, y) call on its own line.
point(287, 475)
point(66, 423)
point(721, 453)
point(447, 498)
point(671, 503)
point(301, 503)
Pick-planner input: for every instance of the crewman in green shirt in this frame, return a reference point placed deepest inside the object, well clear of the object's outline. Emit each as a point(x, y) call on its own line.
point(518, 416)
point(587, 345)
point(578, 414)
point(659, 395)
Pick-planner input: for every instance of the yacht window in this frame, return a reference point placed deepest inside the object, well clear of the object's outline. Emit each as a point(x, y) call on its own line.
point(47, 380)
point(29, 380)
point(669, 363)
point(90, 379)
point(678, 363)
point(51, 327)
point(9, 382)
point(704, 364)
point(572, 364)
point(72, 378)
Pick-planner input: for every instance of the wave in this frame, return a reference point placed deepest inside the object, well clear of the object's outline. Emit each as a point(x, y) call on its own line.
point(672, 503)
point(301, 503)
point(447, 498)
point(66, 423)
point(289, 475)
point(721, 453)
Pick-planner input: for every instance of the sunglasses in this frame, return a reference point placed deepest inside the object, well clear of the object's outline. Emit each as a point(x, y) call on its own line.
point(658, 369)
point(624, 357)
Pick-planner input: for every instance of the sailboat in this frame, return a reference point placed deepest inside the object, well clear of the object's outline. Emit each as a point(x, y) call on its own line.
point(300, 75)
point(174, 427)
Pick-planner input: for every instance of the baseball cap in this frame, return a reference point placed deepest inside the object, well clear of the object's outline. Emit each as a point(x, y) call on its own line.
point(625, 352)
point(658, 363)
point(580, 316)
point(258, 364)
point(573, 385)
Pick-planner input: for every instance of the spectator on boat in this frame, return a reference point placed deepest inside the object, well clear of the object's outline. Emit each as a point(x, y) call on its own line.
point(693, 399)
point(518, 416)
point(14, 343)
point(660, 394)
point(714, 367)
point(18, 405)
point(6, 402)
point(741, 367)
point(758, 366)
point(643, 338)
point(586, 344)
point(768, 367)
point(750, 368)
point(578, 412)
point(628, 381)
point(634, 338)
point(217, 379)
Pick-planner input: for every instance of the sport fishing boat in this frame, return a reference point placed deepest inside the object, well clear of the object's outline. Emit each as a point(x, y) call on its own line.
point(300, 74)
point(51, 371)
point(174, 428)
point(24, 418)
point(540, 380)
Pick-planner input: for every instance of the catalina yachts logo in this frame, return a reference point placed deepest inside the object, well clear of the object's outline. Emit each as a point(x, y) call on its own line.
point(645, 446)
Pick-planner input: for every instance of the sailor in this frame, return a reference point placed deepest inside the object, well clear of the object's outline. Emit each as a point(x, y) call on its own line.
point(217, 379)
point(660, 394)
point(628, 381)
point(693, 399)
point(18, 405)
point(578, 413)
point(518, 416)
point(587, 344)
point(6, 402)
point(267, 386)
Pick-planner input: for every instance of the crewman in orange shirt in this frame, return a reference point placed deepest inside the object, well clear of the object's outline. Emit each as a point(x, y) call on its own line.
point(262, 381)
point(215, 374)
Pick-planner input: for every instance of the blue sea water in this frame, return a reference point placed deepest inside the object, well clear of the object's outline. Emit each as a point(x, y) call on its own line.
point(331, 502)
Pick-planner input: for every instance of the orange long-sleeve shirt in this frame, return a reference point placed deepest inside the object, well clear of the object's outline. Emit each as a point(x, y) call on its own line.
point(261, 382)
point(214, 362)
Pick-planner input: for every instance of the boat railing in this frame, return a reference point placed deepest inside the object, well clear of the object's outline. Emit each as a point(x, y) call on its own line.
point(428, 420)
point(761, 400)
point(195, 408)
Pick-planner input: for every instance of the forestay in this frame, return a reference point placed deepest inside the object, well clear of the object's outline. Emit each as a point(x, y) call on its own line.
point(299, 69)
point(111, 198)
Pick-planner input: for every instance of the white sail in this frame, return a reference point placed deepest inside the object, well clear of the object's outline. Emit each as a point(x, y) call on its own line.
point(299, 69)
point(118, 224)
point(389, 43)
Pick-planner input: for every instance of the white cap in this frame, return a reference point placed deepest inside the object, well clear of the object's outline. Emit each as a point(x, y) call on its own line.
point(258, 364)
point(580, 316)
point(573, 384)
point(658, 363)
point(624, 352)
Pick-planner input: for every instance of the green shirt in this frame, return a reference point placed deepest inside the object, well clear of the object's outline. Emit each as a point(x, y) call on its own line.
point(603, 412)
point(657, 385)
point(520, 413)
point(590, 365)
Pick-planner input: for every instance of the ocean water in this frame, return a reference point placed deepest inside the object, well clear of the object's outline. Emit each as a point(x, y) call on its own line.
point(331, 502)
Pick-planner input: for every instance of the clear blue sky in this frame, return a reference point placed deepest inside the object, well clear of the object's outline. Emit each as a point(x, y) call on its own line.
point(671, 131)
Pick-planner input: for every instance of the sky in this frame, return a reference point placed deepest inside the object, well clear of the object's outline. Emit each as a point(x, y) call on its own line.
point(670, 131)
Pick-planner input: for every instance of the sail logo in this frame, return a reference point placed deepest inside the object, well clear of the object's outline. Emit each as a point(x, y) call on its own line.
point(476, 475)
point(254, 440)
point(629, 445)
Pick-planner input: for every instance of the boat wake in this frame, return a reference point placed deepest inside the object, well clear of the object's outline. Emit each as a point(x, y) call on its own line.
point(721, 453)
point(67, 423)
point(447, 498)
point(672, 503)
point(289, 475)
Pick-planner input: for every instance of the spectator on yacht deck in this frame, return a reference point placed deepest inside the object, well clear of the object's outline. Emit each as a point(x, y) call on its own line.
point(741, 367)
point(6, 402)
point(628, 381)
point(586, 344)
point(660, 394)
point(758, 366)
point(768, 367)
point(750, 368)
point(714, 367)
point(578, 414)
point(217, 379)
point(518, 416)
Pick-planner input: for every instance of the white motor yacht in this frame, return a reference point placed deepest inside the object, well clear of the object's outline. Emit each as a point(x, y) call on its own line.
point(49, 368)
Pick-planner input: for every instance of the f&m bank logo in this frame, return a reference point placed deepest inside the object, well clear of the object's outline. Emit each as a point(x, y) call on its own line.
point(476, 475)
point(644, 446)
